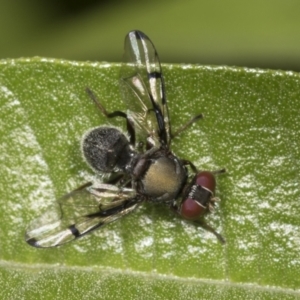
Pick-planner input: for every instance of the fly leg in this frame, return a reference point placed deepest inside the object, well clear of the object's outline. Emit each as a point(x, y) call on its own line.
point(200, 222)
point(117, 113)
point(186, 125)
point(207, 227)
point(189, 163)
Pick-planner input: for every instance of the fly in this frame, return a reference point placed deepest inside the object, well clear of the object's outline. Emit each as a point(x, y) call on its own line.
point(141, 167)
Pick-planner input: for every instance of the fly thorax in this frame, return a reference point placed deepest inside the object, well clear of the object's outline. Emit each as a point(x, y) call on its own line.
point(164, 178)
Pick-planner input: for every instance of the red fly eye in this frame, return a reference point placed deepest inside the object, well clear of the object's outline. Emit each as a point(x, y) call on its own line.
point(191, 210)
point(207, 180)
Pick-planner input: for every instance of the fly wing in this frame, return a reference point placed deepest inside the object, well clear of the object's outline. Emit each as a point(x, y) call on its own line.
point(143, 90)
point(79, 212)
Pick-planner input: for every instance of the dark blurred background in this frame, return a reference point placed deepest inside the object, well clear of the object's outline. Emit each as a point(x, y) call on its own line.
point(254, 33)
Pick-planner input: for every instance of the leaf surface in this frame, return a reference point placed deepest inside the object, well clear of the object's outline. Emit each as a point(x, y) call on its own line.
point(251, 128)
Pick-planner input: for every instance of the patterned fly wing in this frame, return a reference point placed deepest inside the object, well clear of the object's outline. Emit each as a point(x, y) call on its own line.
point(143, 90)
point(80, 212)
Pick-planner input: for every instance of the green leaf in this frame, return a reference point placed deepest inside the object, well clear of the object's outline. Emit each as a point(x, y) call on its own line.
point(251, 128)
